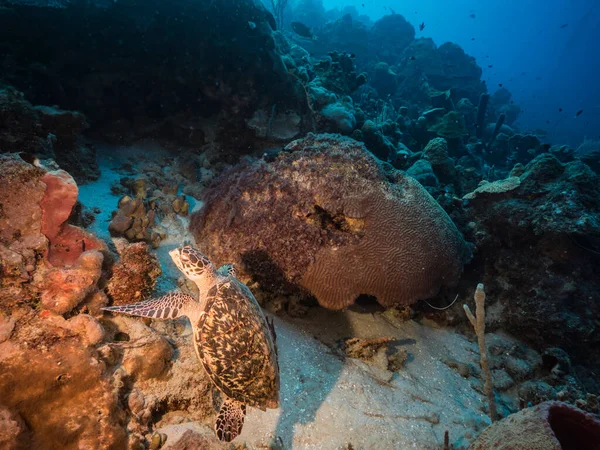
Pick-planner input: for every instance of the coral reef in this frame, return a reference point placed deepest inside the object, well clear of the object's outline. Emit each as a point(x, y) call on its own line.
point(335, 204)
point(389, 37)
point(153, 207)
point(449, 126)
point(589, 153)
point(337, 73)
point(56, 384)
point(217, 89)
point(46, 132)
point(39, 251)
point(64, 288)
point(134, 275)
point(384, 80)
point(445, 67)
point(171, 74)
point(536, 232)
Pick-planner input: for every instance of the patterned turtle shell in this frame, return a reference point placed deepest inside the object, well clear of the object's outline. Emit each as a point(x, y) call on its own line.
point(233, 340)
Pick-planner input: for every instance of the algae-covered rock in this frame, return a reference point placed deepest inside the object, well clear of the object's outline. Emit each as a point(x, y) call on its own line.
point(134, 275)
point(540, 232)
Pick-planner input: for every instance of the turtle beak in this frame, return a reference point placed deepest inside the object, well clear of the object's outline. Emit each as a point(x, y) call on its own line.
point(176, 257)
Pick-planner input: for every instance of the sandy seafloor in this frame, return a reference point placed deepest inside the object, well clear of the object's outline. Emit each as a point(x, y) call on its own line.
point(328, 402)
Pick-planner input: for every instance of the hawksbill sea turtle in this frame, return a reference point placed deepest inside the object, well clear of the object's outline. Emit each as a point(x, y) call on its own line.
point(233, 339)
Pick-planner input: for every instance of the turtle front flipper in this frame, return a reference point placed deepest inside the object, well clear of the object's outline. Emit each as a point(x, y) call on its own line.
point(230, 420)
point(170, 306)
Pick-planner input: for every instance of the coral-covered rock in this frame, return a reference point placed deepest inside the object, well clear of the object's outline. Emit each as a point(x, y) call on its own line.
point(34, 237)
point(389, 36)
point(339, 116)
point(13, 431)
point(58, 387)
point(436, 152)
point(422, 171)
point(375, 141)
point(523, 148)
point(589, 153)
point(444, 68)
point(191, 439)
point(270, 125)
point(64, 288)
point(133, 91)
point(46, 132)
point(152, 206)
point(151, 355)
point(494, 188)
point(323, 215)
point(67, 242)
point(548, 426)
point(539, 233)
point(384, 80)
point(88, 328)
point(450, 126)
point(134, 274)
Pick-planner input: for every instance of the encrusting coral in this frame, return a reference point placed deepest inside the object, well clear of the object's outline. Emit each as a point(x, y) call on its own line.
point(327, 216)
point(134, 274)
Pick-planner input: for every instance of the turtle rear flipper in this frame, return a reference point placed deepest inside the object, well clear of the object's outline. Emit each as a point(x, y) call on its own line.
point(230, 420)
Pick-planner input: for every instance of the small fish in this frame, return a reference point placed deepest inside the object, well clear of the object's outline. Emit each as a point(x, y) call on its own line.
point(363, 5)
point(252, 25)
point(564, 25)
point(560, 110)
point(490, 66)
point(412, 58)
point(579, 113)
point(472, 15)
point(500, 84)
point(547, 121)
point(472, 39)
point(422, 26)
point(302, 30)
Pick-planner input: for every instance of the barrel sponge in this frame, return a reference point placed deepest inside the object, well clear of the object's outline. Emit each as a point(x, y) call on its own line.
point(548, 426)
point(329, 217)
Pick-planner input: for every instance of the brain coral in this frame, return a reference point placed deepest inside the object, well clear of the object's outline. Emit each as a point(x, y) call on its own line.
point(326, 215)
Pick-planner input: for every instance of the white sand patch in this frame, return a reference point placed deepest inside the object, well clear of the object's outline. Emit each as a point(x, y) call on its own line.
point(328, 402)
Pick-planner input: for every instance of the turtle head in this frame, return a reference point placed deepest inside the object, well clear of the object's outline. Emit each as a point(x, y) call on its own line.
point(192, 263)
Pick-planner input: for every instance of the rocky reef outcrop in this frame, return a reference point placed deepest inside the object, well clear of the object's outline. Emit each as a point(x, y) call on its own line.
point(72, 377)
point(327, 216)
point(134, 275)
point(46, 132)
point(537, 234)
point(36, 243)
point(151, 70)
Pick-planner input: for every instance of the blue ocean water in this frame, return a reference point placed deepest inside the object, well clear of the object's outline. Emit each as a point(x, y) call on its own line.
point(544, 51)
